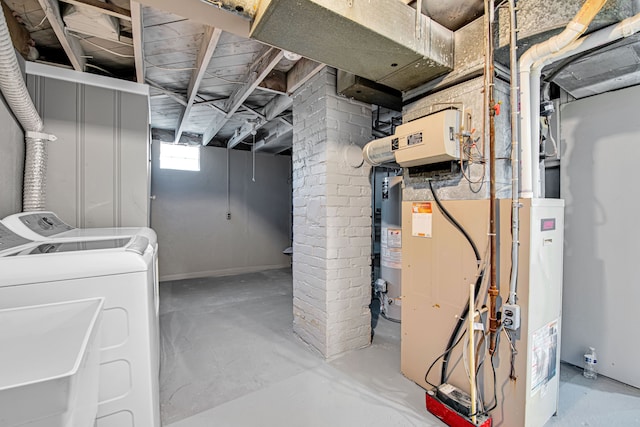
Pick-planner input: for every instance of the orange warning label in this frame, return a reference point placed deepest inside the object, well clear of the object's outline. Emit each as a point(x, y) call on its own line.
point(421, 219)
point(422, 207)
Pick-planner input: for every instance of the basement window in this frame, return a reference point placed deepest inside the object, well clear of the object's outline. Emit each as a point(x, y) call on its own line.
point(180, 157)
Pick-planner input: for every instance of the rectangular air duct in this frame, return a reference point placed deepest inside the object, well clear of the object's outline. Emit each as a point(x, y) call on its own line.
point(380, 40)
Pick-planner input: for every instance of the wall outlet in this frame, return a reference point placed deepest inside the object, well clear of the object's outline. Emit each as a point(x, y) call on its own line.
point(228, 215)
point(511, 316)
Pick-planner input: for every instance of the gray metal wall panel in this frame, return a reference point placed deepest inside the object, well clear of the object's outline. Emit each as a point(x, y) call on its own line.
point(600, 143)
point(97, 172)
point(57, 102)
point(134, 160)
point(11, 162)
point(99, 152)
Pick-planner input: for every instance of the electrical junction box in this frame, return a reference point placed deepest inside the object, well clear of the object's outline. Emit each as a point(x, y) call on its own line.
point(511, 316)
point(430, 139)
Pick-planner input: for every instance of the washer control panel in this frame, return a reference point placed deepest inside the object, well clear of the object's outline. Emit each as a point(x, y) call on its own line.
point(9, 239)
point(45, 224)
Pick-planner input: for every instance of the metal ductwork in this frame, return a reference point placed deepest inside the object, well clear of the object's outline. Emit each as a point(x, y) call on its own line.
point(539, 20)
point(381, 40)
point(17, 97)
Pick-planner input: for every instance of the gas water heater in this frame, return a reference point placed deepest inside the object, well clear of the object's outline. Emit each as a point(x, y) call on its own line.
point(391, 247)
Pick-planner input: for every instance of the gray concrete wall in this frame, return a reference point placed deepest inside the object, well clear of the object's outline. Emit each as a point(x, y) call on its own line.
point(190, 208)
point(599, 139)
point(11, 162)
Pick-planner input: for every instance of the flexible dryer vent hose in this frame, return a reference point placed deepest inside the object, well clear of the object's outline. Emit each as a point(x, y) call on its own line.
point(17, 97)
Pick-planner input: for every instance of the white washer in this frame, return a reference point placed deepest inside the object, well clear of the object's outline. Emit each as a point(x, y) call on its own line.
point(121, 271)
point(46, 225)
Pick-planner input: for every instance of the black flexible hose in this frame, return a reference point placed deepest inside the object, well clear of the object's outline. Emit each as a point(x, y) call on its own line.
point(478, 284)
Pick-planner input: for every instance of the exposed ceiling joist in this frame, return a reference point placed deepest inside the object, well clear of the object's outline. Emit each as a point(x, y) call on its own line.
point(256, 73)
point(178, 98)
point(209, 42)
point(70, 45)
point(276, 106)
point(276, 82)
point(301, 73)
point(106, 8)
point(138, 39)
point(270, 111)
point(204, 13)
point(280, 132)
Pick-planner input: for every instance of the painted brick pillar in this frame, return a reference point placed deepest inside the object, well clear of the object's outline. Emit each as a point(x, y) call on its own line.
point(331, 218)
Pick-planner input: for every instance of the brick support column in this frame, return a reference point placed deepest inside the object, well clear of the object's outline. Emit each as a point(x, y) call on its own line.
point(331, 218)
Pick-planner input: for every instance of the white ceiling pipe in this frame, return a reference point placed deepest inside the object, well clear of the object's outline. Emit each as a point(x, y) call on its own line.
point(606, 35)
point(530, 93)
point(612, 33)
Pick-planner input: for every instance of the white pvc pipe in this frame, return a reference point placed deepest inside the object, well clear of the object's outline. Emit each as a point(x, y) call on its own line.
point(623, 29)
point(530, 93)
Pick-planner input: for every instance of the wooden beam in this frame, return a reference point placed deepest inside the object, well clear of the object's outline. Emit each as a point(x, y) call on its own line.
point(19, 35)
point(137, 29)
point(70, 45)
point(270, 111)
point(106, 8)
point(207, 47)
point(176, 97)
point(277, 106)
point(256, 73)
point(276, 81)
point(280, 132)
point(168, 135)
point(301, 73)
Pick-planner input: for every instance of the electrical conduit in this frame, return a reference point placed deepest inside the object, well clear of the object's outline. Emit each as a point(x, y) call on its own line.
point(515, 161)
point(530, 93)
point(15, 93)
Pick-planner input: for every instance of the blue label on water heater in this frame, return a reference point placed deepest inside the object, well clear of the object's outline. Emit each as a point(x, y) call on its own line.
point(547, 224)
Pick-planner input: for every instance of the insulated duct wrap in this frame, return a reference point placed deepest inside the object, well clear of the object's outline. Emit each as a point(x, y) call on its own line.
point(35, 172)
point(17, 97)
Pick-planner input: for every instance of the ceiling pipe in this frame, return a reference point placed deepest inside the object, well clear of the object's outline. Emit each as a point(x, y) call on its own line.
point(530, 93)
point(605, 36)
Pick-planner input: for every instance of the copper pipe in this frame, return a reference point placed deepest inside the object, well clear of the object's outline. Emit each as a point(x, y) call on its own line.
point(493, 261)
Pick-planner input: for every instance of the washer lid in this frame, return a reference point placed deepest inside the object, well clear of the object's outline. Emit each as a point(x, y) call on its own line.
point(57, 247)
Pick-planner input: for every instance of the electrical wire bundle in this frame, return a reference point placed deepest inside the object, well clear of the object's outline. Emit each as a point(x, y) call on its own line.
point(459, 332)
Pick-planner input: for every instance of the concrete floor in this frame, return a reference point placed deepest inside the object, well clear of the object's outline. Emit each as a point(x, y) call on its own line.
point(230, 359)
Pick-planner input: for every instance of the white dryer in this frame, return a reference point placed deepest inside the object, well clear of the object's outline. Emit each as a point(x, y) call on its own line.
point(121, 271)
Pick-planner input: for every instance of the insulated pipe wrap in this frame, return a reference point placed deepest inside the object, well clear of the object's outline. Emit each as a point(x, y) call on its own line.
point(35, 172)
point(17, 97)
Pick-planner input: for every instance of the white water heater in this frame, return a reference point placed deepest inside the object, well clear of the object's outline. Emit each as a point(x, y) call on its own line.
point(391, 246)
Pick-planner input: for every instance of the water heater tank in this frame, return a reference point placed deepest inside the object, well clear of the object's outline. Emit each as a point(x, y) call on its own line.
point(391, 245)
